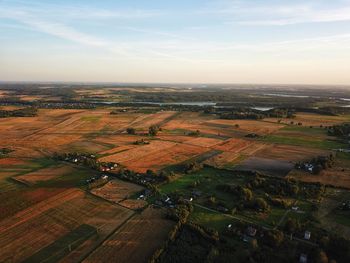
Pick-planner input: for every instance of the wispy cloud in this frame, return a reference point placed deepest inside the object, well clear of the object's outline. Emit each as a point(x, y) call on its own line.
point(310, 16)
point(76, 12)
point(37, 19)
point(175, 46)
point(269, 13)
point(43, 19)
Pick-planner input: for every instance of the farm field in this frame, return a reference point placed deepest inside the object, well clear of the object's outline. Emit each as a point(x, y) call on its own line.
point(247, 126)
point(45, 174)
point(34, 228)
point(104, 134)
point(120, 192)
point(116, 190)
point(70, 185)
point(335, 177)
point(312, 119)
point(136, 240)
point(289, 152)
point(304, 137)
point(266, 166)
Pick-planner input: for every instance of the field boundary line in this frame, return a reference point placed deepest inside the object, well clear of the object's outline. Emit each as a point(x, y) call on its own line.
point(111, 202)
point(82, 258)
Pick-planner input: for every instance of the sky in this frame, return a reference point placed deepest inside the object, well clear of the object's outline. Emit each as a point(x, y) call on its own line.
point(183, 41)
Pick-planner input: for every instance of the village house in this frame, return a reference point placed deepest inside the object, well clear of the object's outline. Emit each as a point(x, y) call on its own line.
point(303, 258)
point(307, 235)
point(251, 231)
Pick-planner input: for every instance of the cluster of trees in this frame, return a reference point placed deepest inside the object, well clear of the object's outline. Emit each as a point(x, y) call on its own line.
point(153, 130)
point(64, 104)
point(141, 142)
point(274, 188)
point(150, 179)
point(286, 187)
point(25, 112)
point(293, 226)
point(5, 151)
point(317, 164)
point(337, 248)
point(192, 244)
point(328, 110)
point(274, 246)
point(194, 133)
point(342, 130)
point(192, 167)
point(61, 104)
point(249, 113)
point(246, 197)
point(180, 212)
point(131, 131)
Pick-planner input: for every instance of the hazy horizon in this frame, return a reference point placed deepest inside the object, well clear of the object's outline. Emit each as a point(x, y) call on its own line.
point(183, 42)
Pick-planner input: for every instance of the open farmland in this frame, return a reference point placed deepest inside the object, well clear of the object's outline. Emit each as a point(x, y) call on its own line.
point(234, 151)
point(247, 126)
point(139, 152)
point(45, 174)
point(136, 240)
point(312, 119)
point(165, 157)
point(93, 183)
point(289, 152)
point(305, 137)
point(34, 228)
point(118, 191)
point(334, 176)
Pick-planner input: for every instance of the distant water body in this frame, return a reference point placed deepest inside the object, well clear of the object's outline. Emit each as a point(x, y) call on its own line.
point(262, 108)
point(286, 95)
point(200, 103)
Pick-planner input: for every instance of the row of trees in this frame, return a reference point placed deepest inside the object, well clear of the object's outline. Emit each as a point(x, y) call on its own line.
point(25, 112)
point(286, 187)
point(152, 130)
point(249, 113)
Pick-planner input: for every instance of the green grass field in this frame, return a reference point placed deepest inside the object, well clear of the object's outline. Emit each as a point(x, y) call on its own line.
point(313, 142)
point(315, 137)
point(341, 217)
point(209, 219)
point(304, 129)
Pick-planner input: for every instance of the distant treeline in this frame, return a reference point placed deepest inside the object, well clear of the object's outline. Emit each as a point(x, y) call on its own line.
point(248, 113)
point(64, 104)
point(35, 90)
point(231, 96)
point(25, 112)
point(324, 110)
